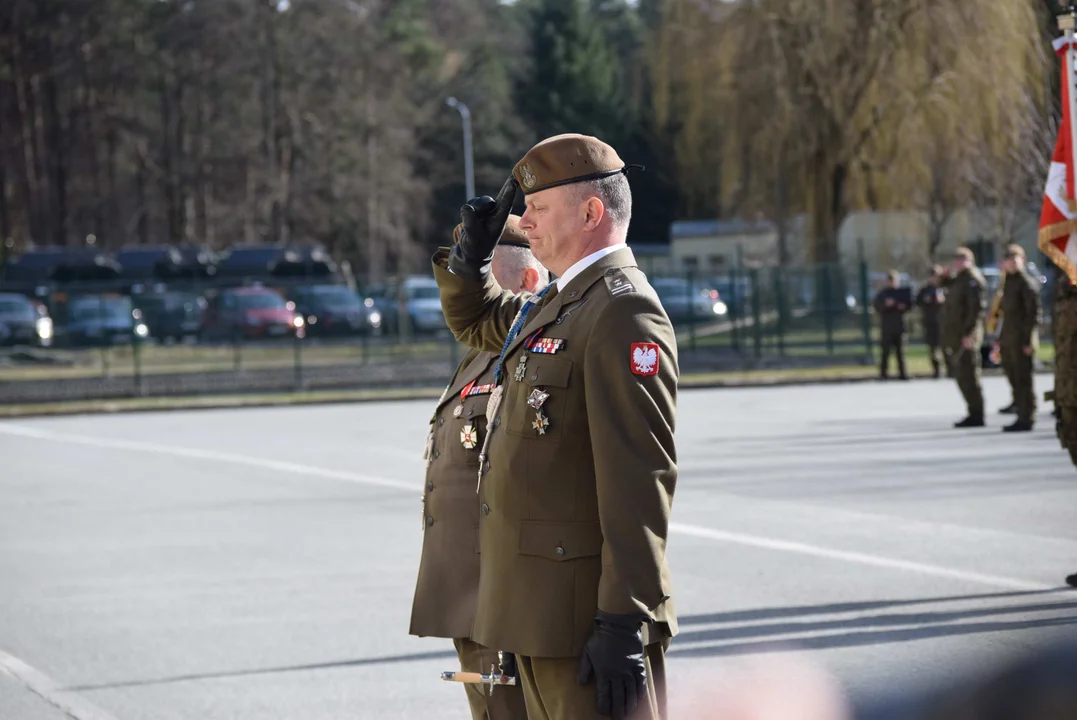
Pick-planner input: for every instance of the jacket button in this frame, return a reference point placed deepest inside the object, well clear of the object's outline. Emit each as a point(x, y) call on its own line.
point(485, 509)
point(486, 466)
point(470, 412)
point(534, 378)
point(437, 453)
point(574, 293)
point(560, 551)
point(429, 521)
point(429, 487)
point(497, 421)
point(441, 420)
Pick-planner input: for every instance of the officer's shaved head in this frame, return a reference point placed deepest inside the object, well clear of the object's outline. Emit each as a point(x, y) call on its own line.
point(516, 269)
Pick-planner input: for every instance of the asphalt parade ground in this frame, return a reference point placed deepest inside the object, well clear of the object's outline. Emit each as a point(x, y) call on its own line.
point(260, 563)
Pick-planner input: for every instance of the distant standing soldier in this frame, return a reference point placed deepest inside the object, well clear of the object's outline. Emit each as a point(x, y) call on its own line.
point(930, 300)
point(962, 331)
point(448, 583)
point(891, 303)
point(1019, 338)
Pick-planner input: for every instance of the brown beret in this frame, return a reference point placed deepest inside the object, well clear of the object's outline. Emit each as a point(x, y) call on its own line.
point(512, 235)
point(565, 159)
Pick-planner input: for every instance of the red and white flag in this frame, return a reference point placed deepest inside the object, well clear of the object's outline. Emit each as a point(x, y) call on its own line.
point(1058, 218)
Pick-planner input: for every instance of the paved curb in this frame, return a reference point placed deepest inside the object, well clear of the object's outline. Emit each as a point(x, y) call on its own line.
point(224, 402)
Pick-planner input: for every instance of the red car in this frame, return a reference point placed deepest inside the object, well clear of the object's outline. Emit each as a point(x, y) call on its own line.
point(250, 313)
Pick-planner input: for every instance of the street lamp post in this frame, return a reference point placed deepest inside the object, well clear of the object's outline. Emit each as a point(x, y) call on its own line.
point(469, 168)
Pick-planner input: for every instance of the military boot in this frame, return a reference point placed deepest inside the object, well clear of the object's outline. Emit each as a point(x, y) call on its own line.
point(1071, 580)
point(1018, 426)
point(1010, 409)
point(970, 422)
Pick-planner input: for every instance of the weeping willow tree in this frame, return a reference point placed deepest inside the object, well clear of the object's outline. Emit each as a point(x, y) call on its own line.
point(829, 106)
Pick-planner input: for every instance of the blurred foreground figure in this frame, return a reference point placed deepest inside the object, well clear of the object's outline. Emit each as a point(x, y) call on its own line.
point(1042, 686)
point(767, 687)
point(445, 593)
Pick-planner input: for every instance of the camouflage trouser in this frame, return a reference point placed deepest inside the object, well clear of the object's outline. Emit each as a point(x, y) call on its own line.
point(1065, 335)
point(1067, 434)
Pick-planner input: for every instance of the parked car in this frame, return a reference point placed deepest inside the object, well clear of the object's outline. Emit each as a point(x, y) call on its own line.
point(24, 321)
point(102, 320)
point(250, 313)
point(334, 310)
point(418, 296)
point(172, 315)
point(683, 301)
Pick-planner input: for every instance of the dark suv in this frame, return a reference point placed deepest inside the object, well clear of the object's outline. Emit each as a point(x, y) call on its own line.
point(334, 310)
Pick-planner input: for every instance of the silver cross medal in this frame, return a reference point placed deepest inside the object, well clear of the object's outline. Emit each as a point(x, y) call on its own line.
point(521, 368)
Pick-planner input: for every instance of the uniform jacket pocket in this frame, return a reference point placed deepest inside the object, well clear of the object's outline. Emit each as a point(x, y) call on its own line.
point(560, 541)
point(545, 381)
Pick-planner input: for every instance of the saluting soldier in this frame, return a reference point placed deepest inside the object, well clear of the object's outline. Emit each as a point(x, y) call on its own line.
point(962, 326)
point(1019, 337)
point(579, 467)
point(448, 582)
point(891, 303)
point(930, 299)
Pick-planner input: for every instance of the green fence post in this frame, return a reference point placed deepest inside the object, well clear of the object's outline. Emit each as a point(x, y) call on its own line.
point(757, 316)
point(691, 309)
point(298, 362)
point(828, 309)
point(737, 300)
point(865, 302)
point(779, 296)
point(136, 352)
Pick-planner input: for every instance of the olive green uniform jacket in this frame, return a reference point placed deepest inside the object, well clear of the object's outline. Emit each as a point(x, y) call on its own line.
point(963, 311)
point(1021, 312)
point(445, 592)
point(574, 512)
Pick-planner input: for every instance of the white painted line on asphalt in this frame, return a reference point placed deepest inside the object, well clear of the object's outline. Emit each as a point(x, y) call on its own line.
point(176, 451)
point(51, 691)
point(681, 528)
point(856, 558)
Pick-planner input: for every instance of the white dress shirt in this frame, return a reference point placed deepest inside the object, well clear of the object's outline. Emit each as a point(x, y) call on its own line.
point(580, 265)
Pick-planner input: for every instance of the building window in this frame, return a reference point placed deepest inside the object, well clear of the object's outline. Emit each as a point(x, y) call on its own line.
point(717, 261)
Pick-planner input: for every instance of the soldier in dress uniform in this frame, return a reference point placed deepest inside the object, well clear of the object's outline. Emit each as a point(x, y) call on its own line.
point(930, 300)
point(445, 593)
point(962, 331)
point(579, 467)
point(1019, 337)
point(891, 304)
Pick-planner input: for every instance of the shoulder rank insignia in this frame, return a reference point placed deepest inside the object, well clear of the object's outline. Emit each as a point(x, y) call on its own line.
point(618, 283)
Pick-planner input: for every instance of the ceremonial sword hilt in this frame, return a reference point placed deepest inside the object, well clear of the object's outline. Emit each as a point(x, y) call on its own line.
point(491, 679)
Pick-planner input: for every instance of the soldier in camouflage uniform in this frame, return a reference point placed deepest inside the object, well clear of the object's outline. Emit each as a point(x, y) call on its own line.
point(1019, 338)
point(1064, 317)
point(963, 331)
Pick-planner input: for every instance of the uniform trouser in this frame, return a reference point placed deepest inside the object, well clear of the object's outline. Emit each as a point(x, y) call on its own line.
point(1068, 434)
point(1018, 368)
point(934, 353)
point(895, 343)
point(553, 692)
point(506, 702)
point(965, 367)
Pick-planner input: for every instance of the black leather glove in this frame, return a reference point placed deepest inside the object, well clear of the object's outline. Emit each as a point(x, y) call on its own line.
point(483, 222)
point(614, 655)
point(508, 665)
